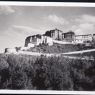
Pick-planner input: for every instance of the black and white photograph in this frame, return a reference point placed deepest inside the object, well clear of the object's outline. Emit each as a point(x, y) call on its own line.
point(50, 48)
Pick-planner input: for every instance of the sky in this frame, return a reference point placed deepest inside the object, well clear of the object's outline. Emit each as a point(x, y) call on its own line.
point(18, 22)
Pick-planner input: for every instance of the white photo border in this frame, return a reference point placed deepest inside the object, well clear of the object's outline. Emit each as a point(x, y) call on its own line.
point(57, 4)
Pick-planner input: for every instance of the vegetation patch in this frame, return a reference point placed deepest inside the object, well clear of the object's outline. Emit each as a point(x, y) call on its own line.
point(42, 73)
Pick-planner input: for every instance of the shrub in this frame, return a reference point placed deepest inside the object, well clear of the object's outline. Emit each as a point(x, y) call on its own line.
point(3, 63)
point(46, 73)
point(4, 73)
point(49, 74)
point(82, 73)
point(18, 80)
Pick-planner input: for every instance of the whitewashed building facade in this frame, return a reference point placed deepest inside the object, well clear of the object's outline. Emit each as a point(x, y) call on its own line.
point(82, 38)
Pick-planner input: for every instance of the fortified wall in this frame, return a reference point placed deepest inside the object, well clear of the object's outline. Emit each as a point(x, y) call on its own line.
point(49, 36)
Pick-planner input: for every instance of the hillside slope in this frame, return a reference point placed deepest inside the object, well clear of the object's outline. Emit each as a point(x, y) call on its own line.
point(56, 48)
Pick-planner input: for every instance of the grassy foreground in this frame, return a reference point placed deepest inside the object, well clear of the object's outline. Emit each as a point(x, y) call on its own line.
point(52, 73)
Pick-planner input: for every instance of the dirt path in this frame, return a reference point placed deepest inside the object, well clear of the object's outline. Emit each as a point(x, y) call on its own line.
point(66, 55)
point(80, 52)
point(80, 58)
point(55, 54)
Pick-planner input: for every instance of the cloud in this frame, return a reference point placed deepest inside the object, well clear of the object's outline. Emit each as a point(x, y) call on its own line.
point(27, 30)
point(85, 24)
point(86, 19)
point(10, 39)
point(6, 10)
point(56, 19)
point(85, 28)
point(16, 35)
